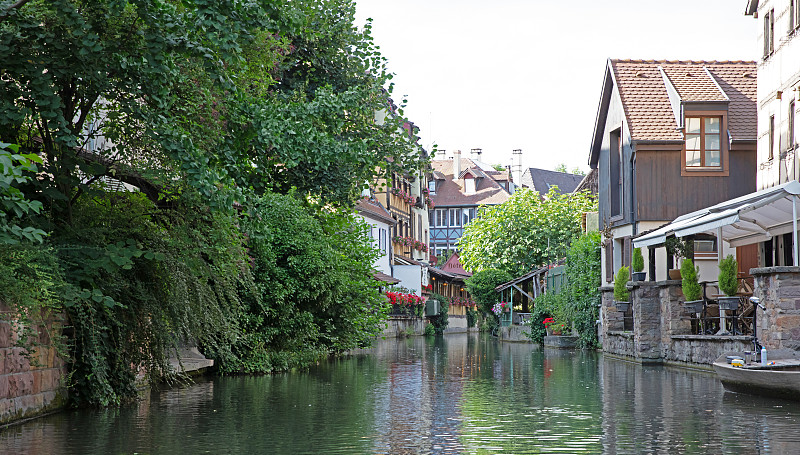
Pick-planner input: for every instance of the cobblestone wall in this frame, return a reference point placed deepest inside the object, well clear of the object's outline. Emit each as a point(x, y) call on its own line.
point(646, 301)
point(29, 385)
point(619, 343)
point(779, 291)
point(703, 349)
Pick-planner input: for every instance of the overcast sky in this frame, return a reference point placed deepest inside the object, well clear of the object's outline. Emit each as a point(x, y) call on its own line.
point(507, 74)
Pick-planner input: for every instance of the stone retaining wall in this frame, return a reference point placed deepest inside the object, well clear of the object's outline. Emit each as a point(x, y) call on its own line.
point(29, 385)
point(514, 333)
point(779, 291)
point(703, 349)
point(619, 343)
point(398, 326)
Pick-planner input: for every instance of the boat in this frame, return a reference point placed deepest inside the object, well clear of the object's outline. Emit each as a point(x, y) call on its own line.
point(780, 378)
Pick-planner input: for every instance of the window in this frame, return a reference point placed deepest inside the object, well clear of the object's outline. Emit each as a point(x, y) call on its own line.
point(432, 186)
point(615, 170)
point(769, 31)
point(705, 246)
point(771, 138)
point(441, 217)
point(703, 141)
point(791, 135)
point(468, 215)
point(469, 185)
point(455, 217)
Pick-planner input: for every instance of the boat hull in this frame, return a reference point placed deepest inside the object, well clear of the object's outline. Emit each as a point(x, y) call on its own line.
point(780, 381)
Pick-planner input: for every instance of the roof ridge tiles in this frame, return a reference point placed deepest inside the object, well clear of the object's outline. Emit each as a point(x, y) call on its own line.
point(684, 62)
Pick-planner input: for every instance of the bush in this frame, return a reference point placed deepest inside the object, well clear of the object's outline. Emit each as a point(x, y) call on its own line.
point(728, 281)
point(481, 287)
point(472, 317)
point(430, 330)
point(583, 290)
point(441, 320)
point(621, 293)
point(637, 262)
point(691, 288)
point(543, 308)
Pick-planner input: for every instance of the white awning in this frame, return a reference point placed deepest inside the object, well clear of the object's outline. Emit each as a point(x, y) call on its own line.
point(752, 218)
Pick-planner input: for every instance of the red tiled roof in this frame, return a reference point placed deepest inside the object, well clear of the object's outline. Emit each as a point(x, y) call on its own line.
point(647, 105)
point(373, 209)
point(450, 192)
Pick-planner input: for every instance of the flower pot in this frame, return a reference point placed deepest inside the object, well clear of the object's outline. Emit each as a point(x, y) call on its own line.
point(693, 306)
point(622, 306)
point(674, 274)
point(728, 303)
point(638, 276)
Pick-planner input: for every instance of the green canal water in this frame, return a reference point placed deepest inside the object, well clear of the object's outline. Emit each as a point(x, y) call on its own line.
point(452, 394)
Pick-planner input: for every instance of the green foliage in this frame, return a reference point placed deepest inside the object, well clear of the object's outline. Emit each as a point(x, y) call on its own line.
point(524, 232)
point(441, 320)
point(691, 287)
point(679, 247)
point(637, 261)
point(621, 293)
point(31, 286)
point(472, 317)
point(544, 306)
point(577, 304)
point(728, 270)
point(583, 288)
point(15, 170)
point(430, 330)
point(313, 281)
point(481, 287)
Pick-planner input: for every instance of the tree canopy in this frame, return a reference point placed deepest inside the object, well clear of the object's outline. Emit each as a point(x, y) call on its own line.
point(525, 232)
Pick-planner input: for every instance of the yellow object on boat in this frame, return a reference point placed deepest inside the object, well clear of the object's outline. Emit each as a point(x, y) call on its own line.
point(737, 362)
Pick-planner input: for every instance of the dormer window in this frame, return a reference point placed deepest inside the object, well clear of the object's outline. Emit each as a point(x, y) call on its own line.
point(703, 142)
point(469, 184)
point(432, 186)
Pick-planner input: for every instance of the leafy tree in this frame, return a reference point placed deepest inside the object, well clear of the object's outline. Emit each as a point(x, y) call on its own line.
point(15, 170)
point(561, 168)
point(524, 232)
point(583, 287)
point(481, 287)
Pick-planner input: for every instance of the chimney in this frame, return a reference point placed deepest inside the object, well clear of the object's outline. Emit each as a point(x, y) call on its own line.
point(456, 164)
point(517, 166)
point(475, 154)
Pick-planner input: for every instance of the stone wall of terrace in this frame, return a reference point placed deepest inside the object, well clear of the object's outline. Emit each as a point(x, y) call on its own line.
point(779, 291)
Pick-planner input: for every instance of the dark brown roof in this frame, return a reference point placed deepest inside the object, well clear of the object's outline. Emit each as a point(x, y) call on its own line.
point(373, 209)
point(380, 276)
point(450, 192)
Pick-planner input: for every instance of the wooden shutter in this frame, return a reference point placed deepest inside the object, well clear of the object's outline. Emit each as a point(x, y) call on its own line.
point(609, 261)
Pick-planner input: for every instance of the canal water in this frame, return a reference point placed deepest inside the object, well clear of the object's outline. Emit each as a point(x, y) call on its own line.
point(453, 394)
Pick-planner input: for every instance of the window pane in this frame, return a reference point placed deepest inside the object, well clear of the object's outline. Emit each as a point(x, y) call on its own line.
point(712, 158)
point(693, 142)
point(692, 125)
point(712, 141)
point(711, 124)
point(692, 158)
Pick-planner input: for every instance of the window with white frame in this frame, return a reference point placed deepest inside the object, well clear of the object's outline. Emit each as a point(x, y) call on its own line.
point(432, 186)
point(441, 217)
point(455, 217)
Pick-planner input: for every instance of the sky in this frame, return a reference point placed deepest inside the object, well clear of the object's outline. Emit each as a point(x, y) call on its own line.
point(526, 74)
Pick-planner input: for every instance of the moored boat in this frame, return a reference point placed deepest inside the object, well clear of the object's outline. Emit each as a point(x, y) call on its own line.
point(780, 378)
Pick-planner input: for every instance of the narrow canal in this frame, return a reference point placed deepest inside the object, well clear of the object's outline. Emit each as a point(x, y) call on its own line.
point(457, 394)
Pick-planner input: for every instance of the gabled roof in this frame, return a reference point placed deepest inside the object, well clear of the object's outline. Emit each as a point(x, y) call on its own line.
point(542, 180)
point(589, 183)
point(450, 191)
point(652, 92)
point(371, 208)
point(453, 265)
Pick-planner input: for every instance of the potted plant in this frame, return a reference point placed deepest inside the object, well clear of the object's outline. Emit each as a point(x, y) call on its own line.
point(621, 294)
point(728, 283)
point(637, 264)
point(680, 249)
point(692, 291)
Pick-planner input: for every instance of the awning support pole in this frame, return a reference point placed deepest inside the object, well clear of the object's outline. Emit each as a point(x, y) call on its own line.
point(794, 229)
point(719, 245)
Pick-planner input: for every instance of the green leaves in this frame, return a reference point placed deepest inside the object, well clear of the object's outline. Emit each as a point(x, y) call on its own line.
point(525, 232)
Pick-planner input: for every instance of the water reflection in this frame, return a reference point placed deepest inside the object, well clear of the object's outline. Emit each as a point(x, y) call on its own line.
point(457, 394)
